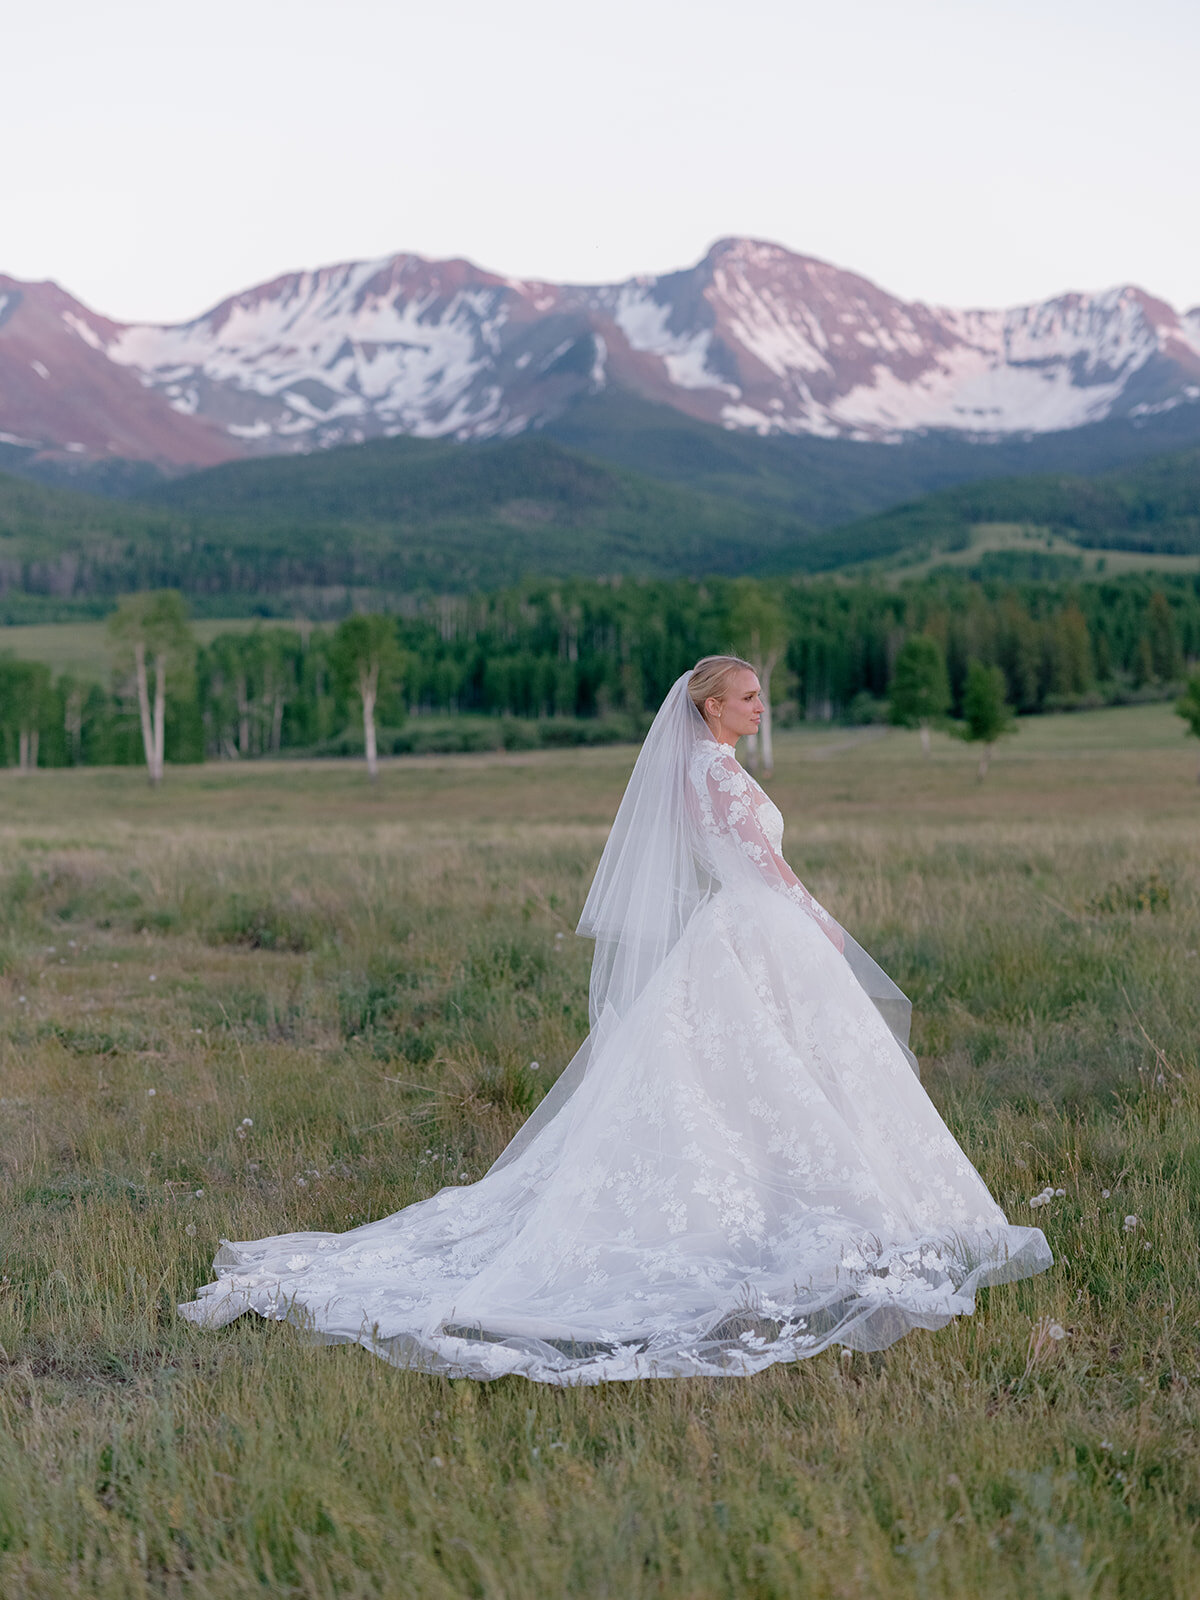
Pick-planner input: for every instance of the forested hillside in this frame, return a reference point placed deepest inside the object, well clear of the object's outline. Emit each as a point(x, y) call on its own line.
point(395, 516)
point(1152, 506)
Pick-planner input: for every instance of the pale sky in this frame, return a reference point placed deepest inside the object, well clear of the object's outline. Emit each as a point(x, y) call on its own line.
point(162, 154)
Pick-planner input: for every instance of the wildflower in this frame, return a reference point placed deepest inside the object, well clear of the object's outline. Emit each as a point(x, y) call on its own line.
point(150, 1093)
point(1059, 1193)
point(190, 1230)
point(247, 1122)
point(534, 1067)
point(153, 978)
point(1130, 1224)
point(198, 1193)
point(302, 1183)
point(1106, 1444)
point(1057, 1331)
point(1105, 1193)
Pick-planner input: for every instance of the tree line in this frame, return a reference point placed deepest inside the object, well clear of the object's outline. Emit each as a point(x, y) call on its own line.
point(585, 659)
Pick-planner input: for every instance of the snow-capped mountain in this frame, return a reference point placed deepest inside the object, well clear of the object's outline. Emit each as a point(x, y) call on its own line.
point(753, 337)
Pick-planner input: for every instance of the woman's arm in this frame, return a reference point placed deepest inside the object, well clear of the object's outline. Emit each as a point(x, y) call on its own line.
point(729, 800)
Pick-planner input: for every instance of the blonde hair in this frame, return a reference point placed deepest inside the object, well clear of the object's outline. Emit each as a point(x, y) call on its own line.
point(710, 678)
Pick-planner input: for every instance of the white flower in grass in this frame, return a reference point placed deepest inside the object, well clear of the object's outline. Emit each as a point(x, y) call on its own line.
point(247, 1122)
point(150, 1093)
point(1059, 1193)
point(534, 1067)
point(1056, 1331)
point(1105, 1193)
point(1131, 1223)
point(190, 1230)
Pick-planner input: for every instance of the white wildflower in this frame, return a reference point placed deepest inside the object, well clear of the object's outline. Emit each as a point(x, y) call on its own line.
point(1130, 1224)
point(190, 1230)
point(153, 977)
point(1059, 1193)
point(534, 1067)
point(1056, 1331)
point(247, 1122)
point(151, 1093)
point(1105, 1193)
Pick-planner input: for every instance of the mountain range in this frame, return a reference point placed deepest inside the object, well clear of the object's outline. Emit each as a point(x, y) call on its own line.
point(753, 340)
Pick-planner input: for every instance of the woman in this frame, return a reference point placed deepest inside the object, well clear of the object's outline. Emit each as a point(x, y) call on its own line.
point(740, 1165)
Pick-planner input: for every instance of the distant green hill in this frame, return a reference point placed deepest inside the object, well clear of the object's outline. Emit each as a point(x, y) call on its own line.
point(408, 515)
point(393, 515)
point(827, 482)
point(1152, 507)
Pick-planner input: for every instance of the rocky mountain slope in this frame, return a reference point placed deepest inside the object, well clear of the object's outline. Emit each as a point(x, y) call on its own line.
point(753, 338)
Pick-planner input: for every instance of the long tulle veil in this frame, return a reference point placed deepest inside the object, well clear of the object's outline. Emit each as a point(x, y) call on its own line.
point(653, 877)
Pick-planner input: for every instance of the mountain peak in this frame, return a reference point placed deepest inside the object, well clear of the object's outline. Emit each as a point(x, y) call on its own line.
point(754, 336)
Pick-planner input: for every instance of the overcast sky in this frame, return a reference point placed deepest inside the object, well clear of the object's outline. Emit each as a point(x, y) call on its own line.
point(161, 154)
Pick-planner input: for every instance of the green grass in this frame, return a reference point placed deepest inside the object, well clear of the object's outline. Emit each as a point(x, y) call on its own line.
point(82, 647)
point(1021, 540)
point(368, 972)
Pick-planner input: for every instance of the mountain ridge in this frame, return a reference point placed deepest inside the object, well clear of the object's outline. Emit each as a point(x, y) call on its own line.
point(753, 338)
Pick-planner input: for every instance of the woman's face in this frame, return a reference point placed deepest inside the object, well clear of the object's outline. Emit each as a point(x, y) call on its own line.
point(741, 709)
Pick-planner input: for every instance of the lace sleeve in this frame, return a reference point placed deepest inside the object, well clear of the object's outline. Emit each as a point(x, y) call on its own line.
point(731, 813)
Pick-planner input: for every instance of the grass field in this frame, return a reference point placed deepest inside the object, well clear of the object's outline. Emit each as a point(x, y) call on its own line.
point(367, 975)
point(1005, 537)
point(82, 647)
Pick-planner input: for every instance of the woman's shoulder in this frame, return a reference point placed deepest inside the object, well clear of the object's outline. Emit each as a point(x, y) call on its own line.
point(713, 760)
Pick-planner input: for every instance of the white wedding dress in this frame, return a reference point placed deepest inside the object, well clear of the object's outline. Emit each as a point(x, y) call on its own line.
point(741, 1168)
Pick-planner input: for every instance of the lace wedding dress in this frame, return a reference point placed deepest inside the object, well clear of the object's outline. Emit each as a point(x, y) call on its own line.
point(740, 1167)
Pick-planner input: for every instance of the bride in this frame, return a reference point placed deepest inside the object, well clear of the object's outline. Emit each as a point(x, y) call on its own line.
point(739, 1166)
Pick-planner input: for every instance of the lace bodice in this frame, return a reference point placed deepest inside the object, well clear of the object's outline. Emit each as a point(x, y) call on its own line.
point(742, 829)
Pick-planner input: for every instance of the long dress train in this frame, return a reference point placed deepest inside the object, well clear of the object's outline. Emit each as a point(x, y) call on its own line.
point(747, 1172)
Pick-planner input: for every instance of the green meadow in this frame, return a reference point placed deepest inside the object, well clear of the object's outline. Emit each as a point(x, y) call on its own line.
point(273, 996)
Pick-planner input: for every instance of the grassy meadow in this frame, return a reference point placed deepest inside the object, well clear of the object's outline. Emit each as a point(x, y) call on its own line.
point(83, 647)
point(274, 997)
